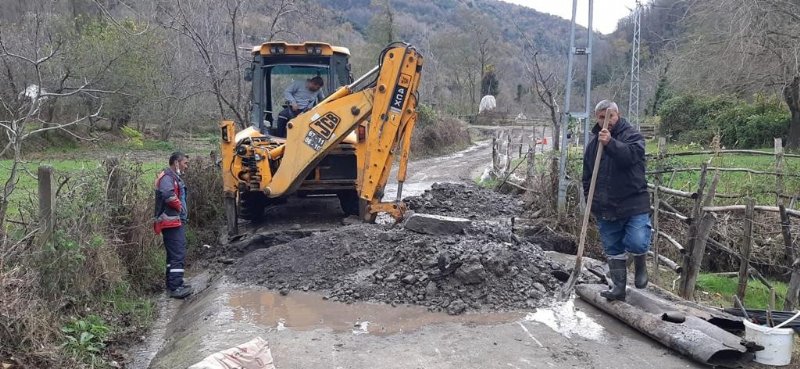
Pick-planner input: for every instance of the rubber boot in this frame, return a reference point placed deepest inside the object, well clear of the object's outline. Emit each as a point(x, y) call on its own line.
point(640, 267)
point(619, 275)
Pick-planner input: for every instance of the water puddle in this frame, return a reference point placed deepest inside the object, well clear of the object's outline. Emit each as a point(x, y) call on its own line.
point(308, 311)
point(568, 321)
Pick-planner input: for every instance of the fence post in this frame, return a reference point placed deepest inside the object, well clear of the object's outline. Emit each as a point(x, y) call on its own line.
point(530, 171)
point(688, 262)
point(494, 153)
point(114, 187)
point(794, 283)
point(662, 142)
point(509, 152)
point(702, 230)
point(790, 302)
point(787, 239)
point(47, 201)
point(747, 244)
point(779, 171)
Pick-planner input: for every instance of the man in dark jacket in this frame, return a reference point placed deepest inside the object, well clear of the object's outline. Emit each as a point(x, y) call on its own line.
point(621, 203)
point(171, 217)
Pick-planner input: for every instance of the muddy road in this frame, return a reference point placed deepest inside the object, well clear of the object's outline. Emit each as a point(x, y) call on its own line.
point(308, 330)
point(463, 166)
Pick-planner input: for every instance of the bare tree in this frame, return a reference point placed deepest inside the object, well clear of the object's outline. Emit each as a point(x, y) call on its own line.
point(547, 87)
point(201, 23)
point(751, 47)
point(30, 61)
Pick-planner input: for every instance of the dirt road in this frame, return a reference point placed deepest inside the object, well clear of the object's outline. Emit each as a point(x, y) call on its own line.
point(463, 166)
point(308, 332)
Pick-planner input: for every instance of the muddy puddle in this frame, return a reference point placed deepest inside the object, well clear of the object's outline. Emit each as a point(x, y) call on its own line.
point(308, 311)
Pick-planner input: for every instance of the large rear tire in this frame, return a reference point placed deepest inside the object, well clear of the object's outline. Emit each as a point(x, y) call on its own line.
point(349, 201)
point(231, 215)
point(251, 206)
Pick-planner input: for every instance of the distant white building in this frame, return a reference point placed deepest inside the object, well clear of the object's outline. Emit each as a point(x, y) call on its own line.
point(32, 92)
point(488, 103)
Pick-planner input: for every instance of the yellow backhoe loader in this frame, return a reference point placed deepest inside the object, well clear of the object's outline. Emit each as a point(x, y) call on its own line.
point(345, 145)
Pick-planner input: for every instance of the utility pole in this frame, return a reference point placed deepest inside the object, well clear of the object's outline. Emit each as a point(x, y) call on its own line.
point(566, 113)
point(633, 95)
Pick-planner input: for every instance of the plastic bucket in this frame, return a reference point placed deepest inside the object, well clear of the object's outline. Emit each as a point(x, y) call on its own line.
point(777, 343)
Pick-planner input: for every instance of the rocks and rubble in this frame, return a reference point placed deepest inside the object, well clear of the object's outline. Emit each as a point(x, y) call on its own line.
point(448, 264)
point(464, 200)
point(486, 268)
point(435, 224)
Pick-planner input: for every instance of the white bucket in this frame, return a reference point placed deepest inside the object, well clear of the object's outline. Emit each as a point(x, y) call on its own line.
point(777, 343)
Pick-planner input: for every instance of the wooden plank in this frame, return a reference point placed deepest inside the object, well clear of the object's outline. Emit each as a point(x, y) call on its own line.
point(680, 217)
point(675, 243)
point(720, 246)
point(674, 192)
point(747, 244)
point(667, 262)
point(762, 208)
point(671, 208)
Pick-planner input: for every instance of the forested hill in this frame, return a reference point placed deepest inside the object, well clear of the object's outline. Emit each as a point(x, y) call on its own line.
point(415, 18)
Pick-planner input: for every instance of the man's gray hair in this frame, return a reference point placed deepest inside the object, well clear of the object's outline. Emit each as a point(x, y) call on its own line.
point(605, 105)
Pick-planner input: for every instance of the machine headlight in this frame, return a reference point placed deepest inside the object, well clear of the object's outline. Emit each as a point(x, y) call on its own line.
point(258, 157)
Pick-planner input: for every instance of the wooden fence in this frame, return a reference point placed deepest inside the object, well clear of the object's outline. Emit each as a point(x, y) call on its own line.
point(703, 215)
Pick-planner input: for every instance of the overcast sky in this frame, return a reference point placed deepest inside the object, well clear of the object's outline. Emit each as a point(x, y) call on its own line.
point(606, 12)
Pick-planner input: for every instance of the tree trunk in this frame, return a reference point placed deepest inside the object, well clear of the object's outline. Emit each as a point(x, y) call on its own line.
point(791, 95)
point(793, 141)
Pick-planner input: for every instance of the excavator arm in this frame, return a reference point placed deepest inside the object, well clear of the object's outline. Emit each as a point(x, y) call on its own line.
point(380, 106)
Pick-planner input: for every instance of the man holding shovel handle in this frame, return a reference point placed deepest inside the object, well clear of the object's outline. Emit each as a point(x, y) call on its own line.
point(621, 203)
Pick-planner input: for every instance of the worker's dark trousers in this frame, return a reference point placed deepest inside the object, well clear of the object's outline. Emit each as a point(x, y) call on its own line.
point(283, 119)
point(175, 243)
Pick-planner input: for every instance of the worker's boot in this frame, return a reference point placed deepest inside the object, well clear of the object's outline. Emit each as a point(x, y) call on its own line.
point(619, 275)
point(640, 266)
point(181, 292)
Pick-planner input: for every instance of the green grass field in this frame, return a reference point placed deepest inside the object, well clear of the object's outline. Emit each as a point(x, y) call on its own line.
point(720, 290)
point(759, 186)
point(27, 188)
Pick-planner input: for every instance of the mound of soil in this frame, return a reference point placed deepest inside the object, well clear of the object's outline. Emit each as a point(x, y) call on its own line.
point(486, 268)
point(464, 200)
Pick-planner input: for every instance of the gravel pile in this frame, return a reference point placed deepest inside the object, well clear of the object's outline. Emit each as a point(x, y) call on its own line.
point(487, 268)
point(464, 200)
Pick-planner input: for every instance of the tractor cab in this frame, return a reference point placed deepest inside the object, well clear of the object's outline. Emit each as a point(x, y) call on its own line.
point(277, 64)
